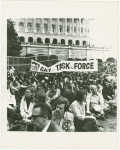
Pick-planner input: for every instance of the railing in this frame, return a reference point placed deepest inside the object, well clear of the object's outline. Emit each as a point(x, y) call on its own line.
point(25, 62)
point(61, 53)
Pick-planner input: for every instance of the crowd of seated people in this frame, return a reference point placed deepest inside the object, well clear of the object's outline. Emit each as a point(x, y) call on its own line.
point(62, 102)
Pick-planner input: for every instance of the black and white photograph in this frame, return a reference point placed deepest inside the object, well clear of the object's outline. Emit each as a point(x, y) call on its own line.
point(71, 101)
point(62, 71)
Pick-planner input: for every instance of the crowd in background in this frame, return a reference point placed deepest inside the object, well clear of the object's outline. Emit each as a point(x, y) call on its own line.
point(62, 102)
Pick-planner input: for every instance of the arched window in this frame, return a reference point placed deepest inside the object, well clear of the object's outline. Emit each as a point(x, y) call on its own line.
point(47, 40)
point(54, 41)
point(62, 41)
point(39, 40)
point(84, 43)
point(21, 26)
point(22, 39)
point(29, 26)
point(69, 42)
point(30, 39)
point(77, 42)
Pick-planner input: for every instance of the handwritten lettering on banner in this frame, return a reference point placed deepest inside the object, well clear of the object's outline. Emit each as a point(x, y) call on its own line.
point(38, 67)
point(65, 66)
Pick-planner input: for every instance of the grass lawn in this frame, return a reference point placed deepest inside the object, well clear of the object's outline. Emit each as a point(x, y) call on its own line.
point(110, 124)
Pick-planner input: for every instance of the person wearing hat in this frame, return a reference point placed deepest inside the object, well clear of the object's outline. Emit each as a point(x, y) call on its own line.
point(62, 117)
point(27, 102)
point(82, 122)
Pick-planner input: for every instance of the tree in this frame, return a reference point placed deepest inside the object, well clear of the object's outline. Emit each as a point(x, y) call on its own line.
point(99, 60)
point(111, 59)
point(70, 59)
point(13, 41)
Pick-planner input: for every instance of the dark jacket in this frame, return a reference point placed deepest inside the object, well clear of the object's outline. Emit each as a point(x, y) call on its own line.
point(107, 91)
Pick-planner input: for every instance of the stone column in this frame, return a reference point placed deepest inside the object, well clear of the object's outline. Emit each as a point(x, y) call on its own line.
point(58, 30)
point(72, 26)
point(65, 26)
point(84, 27)
point(51, 32)
point(34, 27)
point(43, 31)
point(79, 26)
point(26, 29)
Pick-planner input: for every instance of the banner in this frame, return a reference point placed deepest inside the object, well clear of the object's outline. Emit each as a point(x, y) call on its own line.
point(65, 66)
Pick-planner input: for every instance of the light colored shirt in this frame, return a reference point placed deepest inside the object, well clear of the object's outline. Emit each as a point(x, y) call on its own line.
point(10, 98)
point(46, 128)
point(94, 99)
point(65, 121)
point(24, 111)
point(11, 71)
point(78, 110)
point(100, 88)
point(54, 96)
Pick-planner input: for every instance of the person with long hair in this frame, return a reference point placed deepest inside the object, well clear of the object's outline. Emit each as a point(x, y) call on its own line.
point(27, 103)
point(82, 122)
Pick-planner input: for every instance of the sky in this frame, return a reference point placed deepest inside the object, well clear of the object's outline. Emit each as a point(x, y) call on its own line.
point(105, 27)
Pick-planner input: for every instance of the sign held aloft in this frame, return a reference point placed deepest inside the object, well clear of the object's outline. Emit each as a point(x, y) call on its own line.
point(65, 66)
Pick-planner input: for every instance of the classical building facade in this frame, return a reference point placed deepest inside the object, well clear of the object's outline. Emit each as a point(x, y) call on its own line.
point(66, 31)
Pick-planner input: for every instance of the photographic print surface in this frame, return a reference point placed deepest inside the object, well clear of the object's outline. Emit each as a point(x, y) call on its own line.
point(62, 71)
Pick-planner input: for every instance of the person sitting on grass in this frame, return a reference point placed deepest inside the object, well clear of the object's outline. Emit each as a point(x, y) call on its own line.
point(82, 122)
point(95, 103)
